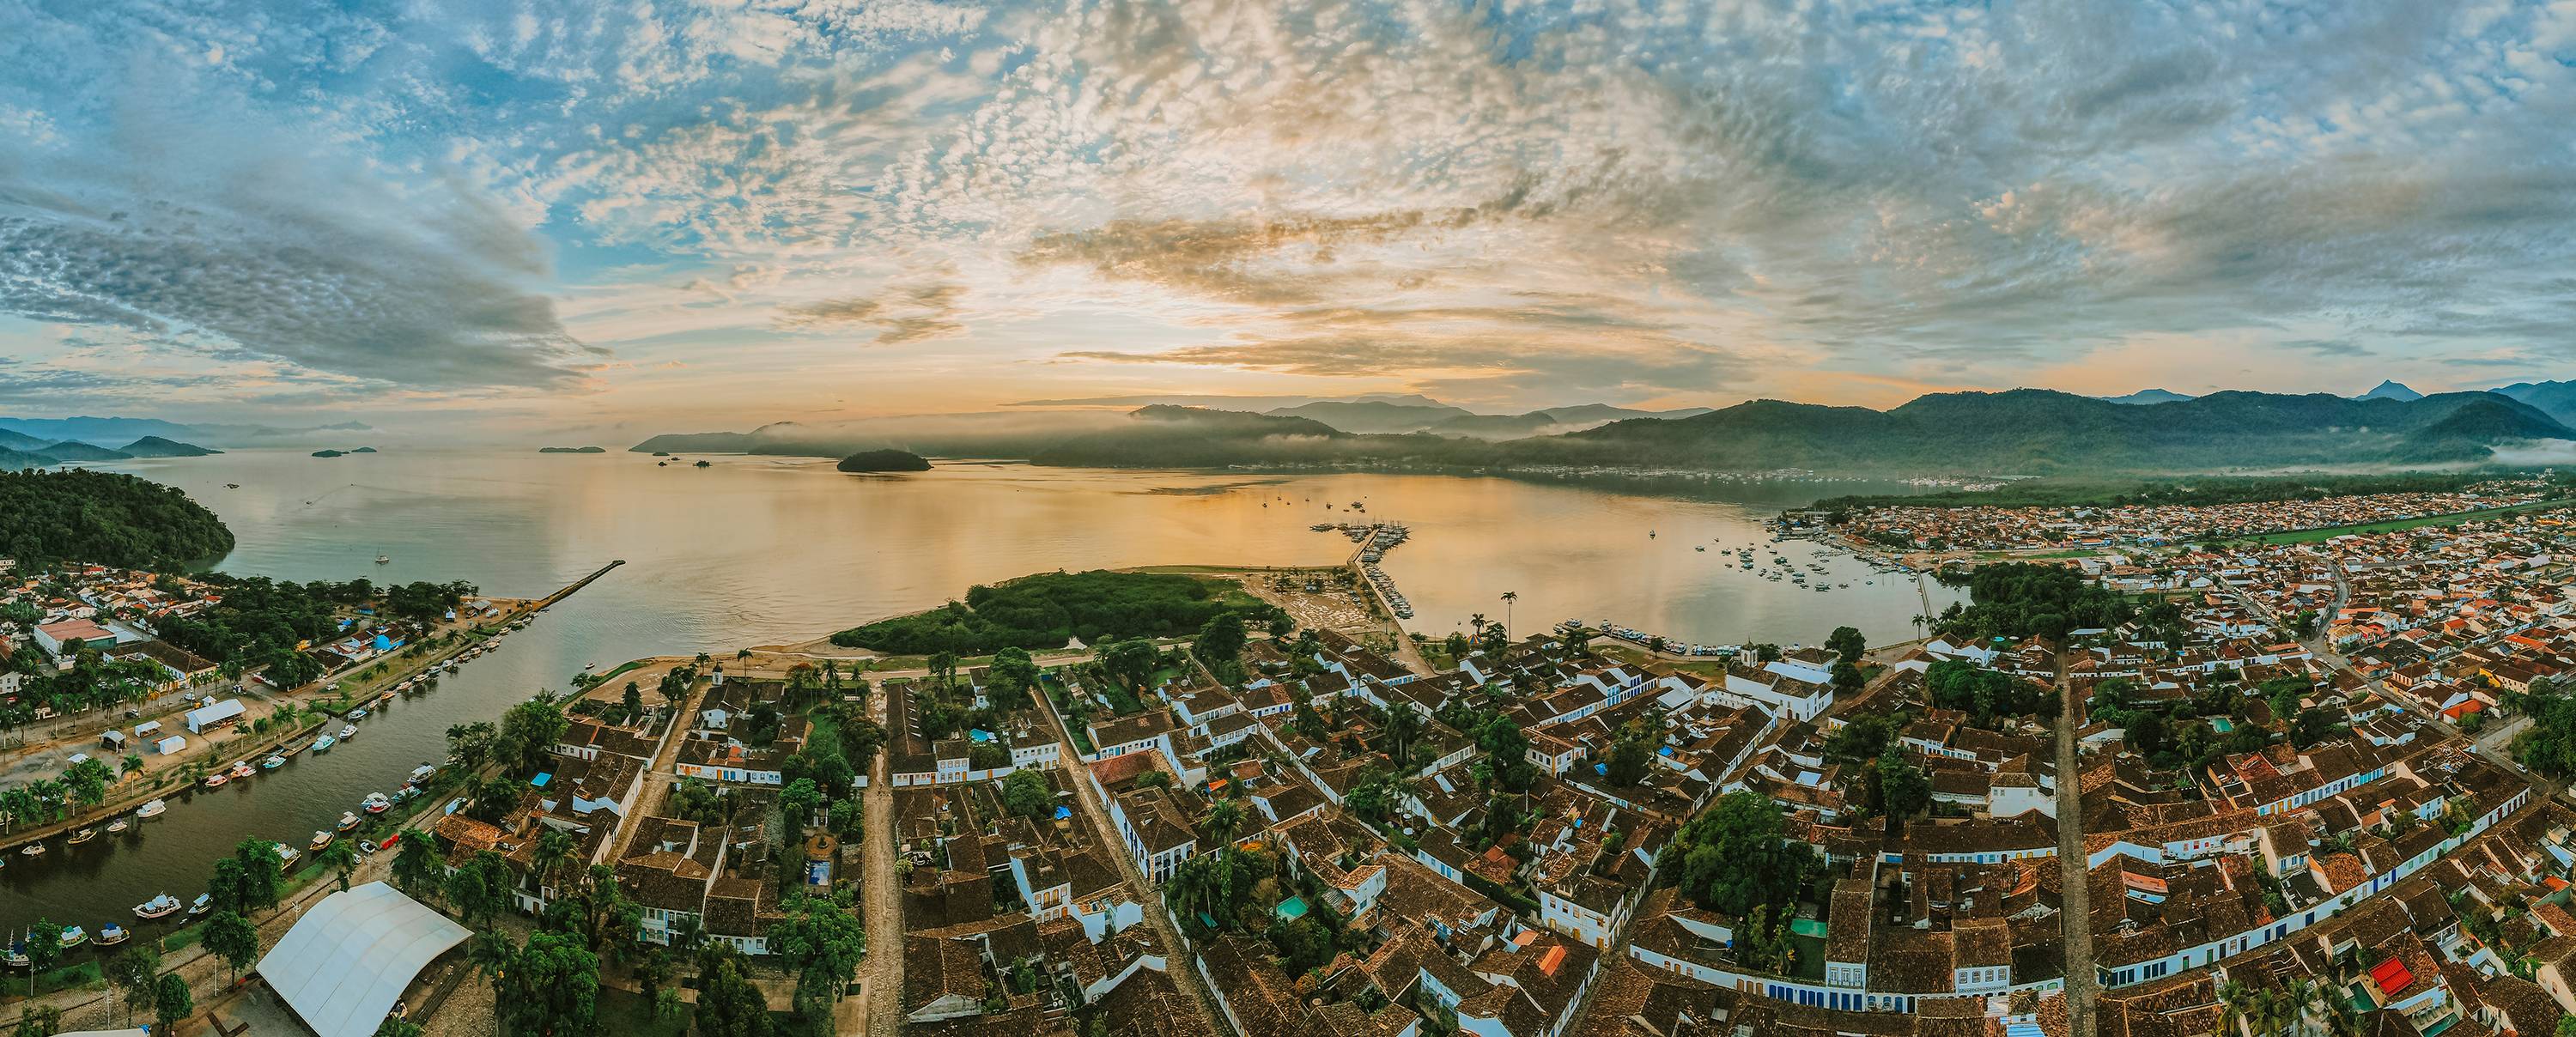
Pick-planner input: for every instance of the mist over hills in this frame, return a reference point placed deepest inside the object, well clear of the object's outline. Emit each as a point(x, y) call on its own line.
point(125, 430)
point(2019, 432)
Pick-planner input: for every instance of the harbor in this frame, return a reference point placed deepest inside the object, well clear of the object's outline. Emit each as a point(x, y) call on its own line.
point(1370, 543)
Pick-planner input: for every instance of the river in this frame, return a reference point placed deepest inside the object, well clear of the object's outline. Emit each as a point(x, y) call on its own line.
point(757, 550)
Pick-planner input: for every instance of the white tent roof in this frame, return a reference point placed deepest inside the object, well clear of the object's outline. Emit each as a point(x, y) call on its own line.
point(347, 961)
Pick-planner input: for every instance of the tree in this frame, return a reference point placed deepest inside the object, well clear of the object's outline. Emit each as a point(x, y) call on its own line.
point(44, 947)
point(1848, 643)
point(554, 847)
point(1130, 661)
point(255, 876)
point(1027, 794)
point(480, 888)
point(171, 1001)
point(131, 970)
point(822, 942)
point(1223, 822)
point(549, 985)
point(342, 858)
point(729, 1006)
point(1735, 856)
point(632, 703)
point(39, 1021)
point(1847, 678)
point(1508, 598)
point(231, 937)
point(416, 861)
point(529, 732)
point(1630, 756)
point(1903, 789)
point(797, 802)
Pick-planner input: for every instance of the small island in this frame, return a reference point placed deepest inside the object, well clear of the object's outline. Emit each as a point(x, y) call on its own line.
point(572, 450)
point(364, 450)
point(330, 453)
point(155, 446)
point(884, 461)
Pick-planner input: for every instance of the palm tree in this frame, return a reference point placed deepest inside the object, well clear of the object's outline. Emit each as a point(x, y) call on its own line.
point(1403, 725)
point(342, 858)
point(1223, 822)
point(2235, 1005)
point(1508, 598)
point(491, 954)
point(552, 849)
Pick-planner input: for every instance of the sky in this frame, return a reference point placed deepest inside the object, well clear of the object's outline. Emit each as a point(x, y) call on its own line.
point(670, 215)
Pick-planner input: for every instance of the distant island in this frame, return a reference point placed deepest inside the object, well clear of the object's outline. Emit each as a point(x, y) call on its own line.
point(155, 446)
point(572, 450)
point(344, 453)
point(364, 450)
point(884, 461)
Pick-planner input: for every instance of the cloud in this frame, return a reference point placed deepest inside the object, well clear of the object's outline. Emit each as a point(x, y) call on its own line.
point(900, 315)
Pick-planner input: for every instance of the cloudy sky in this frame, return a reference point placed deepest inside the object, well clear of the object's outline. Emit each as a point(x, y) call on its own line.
point(705, 213)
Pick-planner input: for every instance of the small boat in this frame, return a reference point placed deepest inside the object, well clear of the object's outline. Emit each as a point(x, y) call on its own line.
point(118, 826)
point(205, 902)
point(348, 820)
point(288, 855)
point(320, 840)
point(34, 849)
point(359, 713)
point(74, 936)
point(111, 934)
point(82, 836)
point(384, 559)
point(375, 803)
point(217, 780)
point(243, 769)
point(151, 810)
point(348, 731)
point(162, 906)
point(324, 744)
point(421, 773)
point(273, 762)
point(17, 954)
point(590, 666)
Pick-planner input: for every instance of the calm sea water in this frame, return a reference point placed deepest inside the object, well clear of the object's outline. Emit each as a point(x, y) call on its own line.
point(770, 550)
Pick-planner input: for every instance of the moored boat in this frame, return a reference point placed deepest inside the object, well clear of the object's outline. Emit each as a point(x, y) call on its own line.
point(324, 744)
point(359, 713)
point(82, 836)
point(217, 780)
point(243, 769)
point(205, 902)
point(74, 936)
point(118, 826)
point(273, 762)
point(320, 840)
point(35, 849)
point(162, 906)
point(348, 820)
point(288, 855)
point(151, 810)
point(375, 803)
point(348, 731)
point(111, 934)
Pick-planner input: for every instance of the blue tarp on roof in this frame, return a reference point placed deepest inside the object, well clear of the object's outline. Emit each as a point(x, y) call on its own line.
point(1063, 812)
point(1664, 750)
point(384, 644)
point(541, 779)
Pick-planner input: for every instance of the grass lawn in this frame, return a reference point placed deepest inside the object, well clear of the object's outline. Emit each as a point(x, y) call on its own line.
point(2306, 536)
point(84, 976)
point(635, 664)
point(187, 936)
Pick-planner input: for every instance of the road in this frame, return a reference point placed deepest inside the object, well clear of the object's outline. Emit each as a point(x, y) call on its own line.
point(2075, 896)
point(881, 899)
point(1182, 973)
point(658, 777)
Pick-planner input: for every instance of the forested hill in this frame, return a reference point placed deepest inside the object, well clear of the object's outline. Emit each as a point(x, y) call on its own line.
point(47, 517)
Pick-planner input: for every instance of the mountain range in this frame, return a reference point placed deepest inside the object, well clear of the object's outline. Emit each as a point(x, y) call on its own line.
point(19, 450)
point(2020, 432)
point(122, 430)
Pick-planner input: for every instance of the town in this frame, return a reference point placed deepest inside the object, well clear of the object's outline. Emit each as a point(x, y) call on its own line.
point(2180, 780)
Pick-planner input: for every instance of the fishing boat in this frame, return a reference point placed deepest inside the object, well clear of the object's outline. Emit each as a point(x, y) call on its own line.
point(162, 906)
point(375, 803)
point(118, 826)
point(320, 840)
point(273, 762)
point(348, 731)
point(74, 936)
point(348, 820)
point(324, 744)
point(384, 559)
point(205, 902)
point(151, 810)
point(82, 836)
point(18, 953)
point(288, 855)
point(111, 934)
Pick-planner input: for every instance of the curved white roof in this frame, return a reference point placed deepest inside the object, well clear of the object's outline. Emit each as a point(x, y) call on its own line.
point(348, 960)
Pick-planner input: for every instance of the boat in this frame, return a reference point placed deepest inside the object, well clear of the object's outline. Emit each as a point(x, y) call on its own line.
point(384, 559)
point(359, 713)
point(421, 773)
point(273, 762)
point(288, 855)
point(118, 826)
point(162, 906)
point(74, 936)
point(82, 836)
point(324, 744)
point(205, 902)
point(17, 954)
point(589, 666)
point(348, 820)
point(375, 803)
point(348, 731)
point(151, 810)
point(216, 780)
point(243, 769)
point(111, 934)
point(320, 840)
